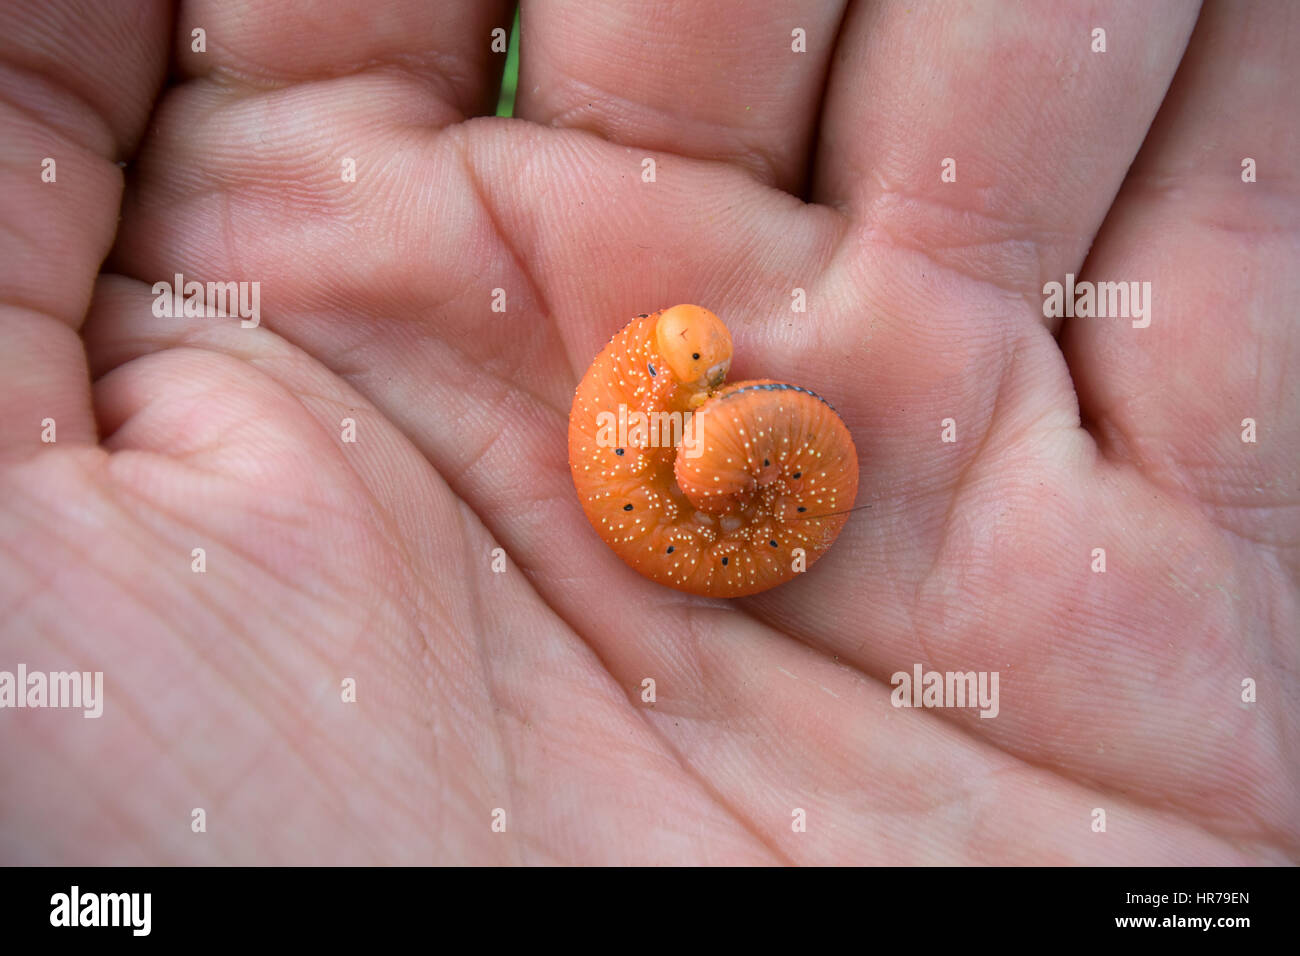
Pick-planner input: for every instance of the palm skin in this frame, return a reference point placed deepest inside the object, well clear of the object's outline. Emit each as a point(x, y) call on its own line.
point(522, 690)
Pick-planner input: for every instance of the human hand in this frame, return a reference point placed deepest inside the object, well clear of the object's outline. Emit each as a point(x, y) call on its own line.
point(522, 691)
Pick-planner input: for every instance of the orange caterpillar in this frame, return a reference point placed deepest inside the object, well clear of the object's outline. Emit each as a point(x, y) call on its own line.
point(703, 487)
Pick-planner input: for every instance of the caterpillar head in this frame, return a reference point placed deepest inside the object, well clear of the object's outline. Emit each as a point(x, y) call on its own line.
point(696, 346)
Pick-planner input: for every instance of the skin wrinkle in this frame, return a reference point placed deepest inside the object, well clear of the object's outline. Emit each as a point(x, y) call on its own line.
point(96, 135)
point(1165, 478)
point(199, 337)
point(467, 166)
point(246, 83)
point(227, 546)
point(1025, 288)
point(14, 231)
point(15, 301)
point(125, 584)
point(476, 456)
point(743, 820)
point(125, 702)
point(285, 704)
point(510, 386)
point(750, 158)
point(255, 358)
point(1095, 783)
point(230, 620)
point(683, 762)
point(580, 360)
point(454, 348)
point(1104, 792)
point(400, 597)
point(959, 484)
point(120, 817)
point(1266, 200)
point(489, 684)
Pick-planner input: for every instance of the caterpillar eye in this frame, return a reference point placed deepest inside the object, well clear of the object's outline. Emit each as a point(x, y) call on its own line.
point(687, 337)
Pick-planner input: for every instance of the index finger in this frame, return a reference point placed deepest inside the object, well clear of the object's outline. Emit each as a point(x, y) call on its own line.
point(76, 86)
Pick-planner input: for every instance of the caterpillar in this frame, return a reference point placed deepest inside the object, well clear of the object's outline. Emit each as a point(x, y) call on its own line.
point(715, 489)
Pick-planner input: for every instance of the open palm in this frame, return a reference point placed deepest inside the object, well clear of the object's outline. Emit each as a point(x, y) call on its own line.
point(509, 686)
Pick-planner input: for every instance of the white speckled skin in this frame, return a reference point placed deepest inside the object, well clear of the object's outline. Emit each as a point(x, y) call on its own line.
point(775, 470)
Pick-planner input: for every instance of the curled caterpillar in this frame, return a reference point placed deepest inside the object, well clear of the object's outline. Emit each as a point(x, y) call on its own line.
point(721, 490)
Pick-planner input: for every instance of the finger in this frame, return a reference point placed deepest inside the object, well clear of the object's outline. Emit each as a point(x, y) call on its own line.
point(1219, 255)
point(1039, 129)
point(736, 81)
point(76, 86)
point(266, 132)
point(448, 47)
